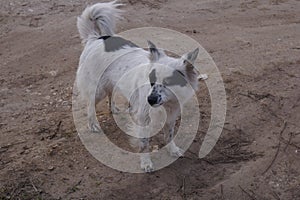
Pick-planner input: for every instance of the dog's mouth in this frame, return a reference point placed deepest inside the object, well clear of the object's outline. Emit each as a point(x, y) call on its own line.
point(156, 105)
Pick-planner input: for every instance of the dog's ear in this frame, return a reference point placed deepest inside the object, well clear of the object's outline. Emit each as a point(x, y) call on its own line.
point(189, 58)
point(155, 53)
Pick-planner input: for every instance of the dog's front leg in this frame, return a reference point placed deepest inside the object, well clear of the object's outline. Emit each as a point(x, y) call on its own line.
point(168, 130)
point(174, 150)
point(146, 163)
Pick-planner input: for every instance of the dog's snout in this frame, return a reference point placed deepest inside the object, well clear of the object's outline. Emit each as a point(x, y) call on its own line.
point(152, 100)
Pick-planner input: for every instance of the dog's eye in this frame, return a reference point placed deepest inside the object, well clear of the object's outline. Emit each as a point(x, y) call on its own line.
point(152, 84)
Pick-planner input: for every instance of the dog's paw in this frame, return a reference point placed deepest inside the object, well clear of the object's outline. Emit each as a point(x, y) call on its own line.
point(128, 110)
point(95, 128)
point(175, 151)
point(202, 77)
point(146, 164)
point(115, 110)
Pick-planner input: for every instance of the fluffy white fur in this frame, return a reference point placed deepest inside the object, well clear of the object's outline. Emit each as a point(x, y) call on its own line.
point(96, 63)
point(98, 19)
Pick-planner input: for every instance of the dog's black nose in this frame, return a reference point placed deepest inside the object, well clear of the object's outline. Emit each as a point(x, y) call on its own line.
point(152, 100)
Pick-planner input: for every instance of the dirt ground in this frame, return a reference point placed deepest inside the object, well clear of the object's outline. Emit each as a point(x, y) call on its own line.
point(255, 44)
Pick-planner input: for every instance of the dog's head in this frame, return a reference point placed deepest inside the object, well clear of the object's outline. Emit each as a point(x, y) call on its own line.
point(171, 78)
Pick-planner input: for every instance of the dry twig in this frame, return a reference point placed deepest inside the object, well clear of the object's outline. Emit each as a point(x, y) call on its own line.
point(278, 148)
point(35, 189)
point(222, 192)
point(247, 193)
point(56, 130)
point(183, 187)
point(289, 142)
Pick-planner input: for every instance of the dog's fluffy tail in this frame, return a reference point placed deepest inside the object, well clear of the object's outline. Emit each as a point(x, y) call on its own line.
point(98, 19)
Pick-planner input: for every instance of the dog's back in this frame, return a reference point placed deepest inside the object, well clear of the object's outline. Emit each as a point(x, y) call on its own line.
point(103, 59)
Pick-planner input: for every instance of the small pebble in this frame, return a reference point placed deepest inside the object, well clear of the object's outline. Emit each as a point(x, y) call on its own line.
point(53, 73)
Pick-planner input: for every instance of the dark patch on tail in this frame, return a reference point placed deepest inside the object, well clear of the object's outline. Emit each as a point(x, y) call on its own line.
point(114, 43)
point(104, 37)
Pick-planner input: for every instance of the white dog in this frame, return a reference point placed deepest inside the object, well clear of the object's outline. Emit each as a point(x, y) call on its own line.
point(106, 57)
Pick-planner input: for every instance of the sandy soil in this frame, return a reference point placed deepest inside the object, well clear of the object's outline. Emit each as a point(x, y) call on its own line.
point(255, 44)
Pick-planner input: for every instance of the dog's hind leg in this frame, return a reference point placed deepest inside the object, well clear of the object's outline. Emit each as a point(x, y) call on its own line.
point(112, 106)
point(93, 122)
point(92, 118)
point(114, 109)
